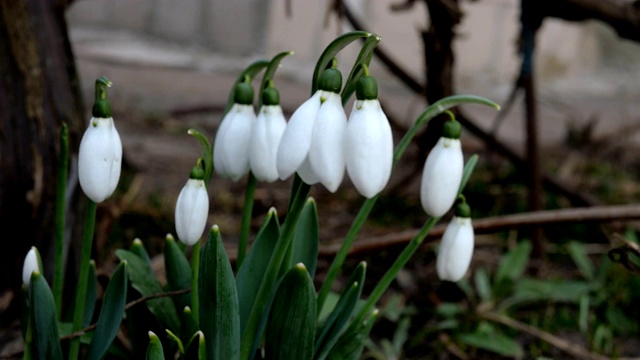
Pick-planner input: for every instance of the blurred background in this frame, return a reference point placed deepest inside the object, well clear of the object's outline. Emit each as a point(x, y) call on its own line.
point(566, 73)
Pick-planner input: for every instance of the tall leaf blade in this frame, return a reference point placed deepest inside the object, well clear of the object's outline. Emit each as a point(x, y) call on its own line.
point(219, 310)
point(154, 350)
point(579, 256)
point(291, 325)
point(92, 294)
point(512, 264)
point(252, 270)
point(111, 313)
point(351, 343)
point(46, 344)
point(178, 272)
point(306, 238)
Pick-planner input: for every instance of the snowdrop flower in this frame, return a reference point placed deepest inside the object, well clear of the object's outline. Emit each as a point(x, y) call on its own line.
point(100, 154)
point(442, 172)
point(192, 207)
point(368, 142)
point(266, 135)
point(31, 264)
point(231, 147)
point(312, 143)
point(456, 248)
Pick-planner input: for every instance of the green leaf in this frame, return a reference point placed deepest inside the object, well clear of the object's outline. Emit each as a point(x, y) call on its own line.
point(44, 326)
point(111, 313)
point(189, 324)
point(137, 247)
point(579, 256)
point(331, 51)
point(351, 343)
point(512, 264)
point(306, 238)
point(528, 290)
point(252, 270)
point(196, 349)
point(583, 319)
point(92, 294)
point(483, 284)
point(205, 151)
point(449, 310)
point(364, 58)
point(270, 72)
point(178, 272)
point(176, 340)
point(494, 342)
point(154, 350)
point(467, 171)
point(332, 328)
point(142, 279)
point(292, 320)
point(219, 311)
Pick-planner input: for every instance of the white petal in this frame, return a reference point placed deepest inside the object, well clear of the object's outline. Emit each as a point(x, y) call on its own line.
point(192, 210)
point(307, 174)
point(232, 145)
point(265, 138)
point(326, 154)
point(296, 140)
point(456, 250)
point(30, 265)
point(100, 159)
point(218, 144)
point(441, 177)
point(368, 148)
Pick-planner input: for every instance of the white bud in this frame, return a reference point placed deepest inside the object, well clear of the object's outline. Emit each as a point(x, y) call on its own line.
point(192, 210)
point(30, 265)
point(100, 159)
point(456, 249)
point(441, 177)
point(265, 138)
point(231, 147)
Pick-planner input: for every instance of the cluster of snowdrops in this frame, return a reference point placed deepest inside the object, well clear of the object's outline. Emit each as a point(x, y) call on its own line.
point(317, 145)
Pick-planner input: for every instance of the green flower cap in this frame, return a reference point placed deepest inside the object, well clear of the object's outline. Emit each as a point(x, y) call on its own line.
point(270, 96)
point(452, 129)
point(197, 173)
point(462, 208)
point(331, 80)
point(366, 88)
point(101, 105)
point(243, 93)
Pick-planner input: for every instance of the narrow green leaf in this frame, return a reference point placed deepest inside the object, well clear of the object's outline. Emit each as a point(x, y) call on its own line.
point(196, 349)
point(579, 256)
point(176, 339)
point(154, 350)
point(364, 58)
point(307, 238)
point(330, 333)
point(178, 272)
point(92, 294)
point(528, 290)
point(142, 279)
point(219, 310)
point(270, 72)
point(137, 247)
point(494, 342)
point(252, 271)
point(514, 262)
point(469, 166)
point(351, 343)
point(483, 284)
point(583, 319)
point(111, 313)
point(331, 51)
point(44, 326)
point(292, 320)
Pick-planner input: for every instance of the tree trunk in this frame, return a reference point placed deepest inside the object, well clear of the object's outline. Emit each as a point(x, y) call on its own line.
point(39, 90)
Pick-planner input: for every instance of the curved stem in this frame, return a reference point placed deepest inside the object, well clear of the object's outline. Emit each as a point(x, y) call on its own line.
point(195, 270)
point(63, 166)
point(81, 295)
point(245, 227)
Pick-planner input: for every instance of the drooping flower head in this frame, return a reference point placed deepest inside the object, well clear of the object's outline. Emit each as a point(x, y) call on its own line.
point(368, 142)
point(192, 207)
point(442, 171)
point(266, 135)
point(100, 154)
point(32, 263)
point(312, 143)
point(457, 244)
point(231, 147)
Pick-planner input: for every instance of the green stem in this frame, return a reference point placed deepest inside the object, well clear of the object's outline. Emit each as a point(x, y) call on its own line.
point(245, 227)
point(271, 275)
point(388, 277)
point(63, 166)
point(195, 270)
point(81, 295)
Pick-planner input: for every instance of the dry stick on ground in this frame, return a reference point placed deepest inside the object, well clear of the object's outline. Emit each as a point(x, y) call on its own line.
point(494, 224)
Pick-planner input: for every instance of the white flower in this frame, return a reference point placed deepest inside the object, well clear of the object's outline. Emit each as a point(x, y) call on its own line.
point(265, 138)
point(368, 148)
point(441, 176)
point(231, 148)
point(30, 265)
point(192, 210)
point(456, 249)
point(100, 159)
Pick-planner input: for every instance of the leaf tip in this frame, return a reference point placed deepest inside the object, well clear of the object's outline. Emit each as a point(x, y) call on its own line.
point(137, 242)
point(153, 336)
point(169, 237)
point(272, 212)
point(300, 266)
point(215, 229)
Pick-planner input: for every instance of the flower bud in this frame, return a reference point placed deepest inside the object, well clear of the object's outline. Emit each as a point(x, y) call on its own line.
point(100, 153)
point(265, 137)
point(456, 248)
point(31, 264)
point(192, 208)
